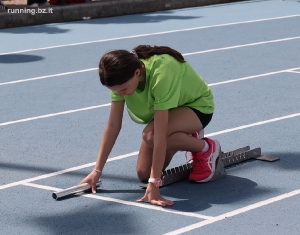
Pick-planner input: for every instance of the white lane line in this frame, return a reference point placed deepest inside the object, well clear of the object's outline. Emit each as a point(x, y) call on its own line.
point(150, 34)
point(254, 124)
point(104, 105)
point(135, 153)
point(243, 45)
point(53, 114)
point(292, 71)
point(253, 76)
point(235, 212)
point(64, 171)
point(127, 203)
point(49, 188)
point(26, 181)
point(185, 54)
point(48, 76)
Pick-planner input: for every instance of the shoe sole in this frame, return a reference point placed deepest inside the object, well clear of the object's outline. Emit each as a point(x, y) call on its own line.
point(214, 160)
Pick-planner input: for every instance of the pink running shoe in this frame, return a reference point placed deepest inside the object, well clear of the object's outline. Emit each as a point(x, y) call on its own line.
point(204, 164)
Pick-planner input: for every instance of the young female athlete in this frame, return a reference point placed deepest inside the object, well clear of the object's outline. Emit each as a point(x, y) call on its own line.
point(164, 92)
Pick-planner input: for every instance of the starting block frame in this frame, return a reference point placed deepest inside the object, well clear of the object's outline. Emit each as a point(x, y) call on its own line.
point(225, 160)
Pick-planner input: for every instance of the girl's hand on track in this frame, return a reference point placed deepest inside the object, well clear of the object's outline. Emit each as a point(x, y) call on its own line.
point(152, 196)
point(92, 179)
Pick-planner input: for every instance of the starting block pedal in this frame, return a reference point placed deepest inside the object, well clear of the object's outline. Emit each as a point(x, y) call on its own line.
point(225, 160)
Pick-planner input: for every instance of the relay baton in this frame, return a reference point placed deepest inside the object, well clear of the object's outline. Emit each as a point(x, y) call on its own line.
point(73, 190)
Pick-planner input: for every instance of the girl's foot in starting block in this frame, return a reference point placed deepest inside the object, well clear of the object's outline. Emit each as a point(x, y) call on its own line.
point(204, 163)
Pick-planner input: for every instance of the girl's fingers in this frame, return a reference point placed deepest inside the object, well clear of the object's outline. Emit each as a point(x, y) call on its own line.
point(168, 202)
point(141, 200)
point(94, 189)
point(161, 203)
point(157, 202)
point(83, 181)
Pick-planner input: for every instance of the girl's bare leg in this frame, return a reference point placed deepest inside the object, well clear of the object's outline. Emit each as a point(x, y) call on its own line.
point(145, 161)
point(182, 122)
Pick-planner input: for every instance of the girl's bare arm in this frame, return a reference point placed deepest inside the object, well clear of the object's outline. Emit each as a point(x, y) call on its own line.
point(111, 132)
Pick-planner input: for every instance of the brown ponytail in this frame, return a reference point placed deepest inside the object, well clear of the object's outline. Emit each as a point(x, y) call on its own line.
point(146, 51)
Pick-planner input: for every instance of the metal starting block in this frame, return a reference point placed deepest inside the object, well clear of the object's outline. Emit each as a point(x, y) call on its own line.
point(224, 160)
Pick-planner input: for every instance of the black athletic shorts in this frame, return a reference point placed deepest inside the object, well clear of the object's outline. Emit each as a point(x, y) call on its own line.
point(204, 118)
